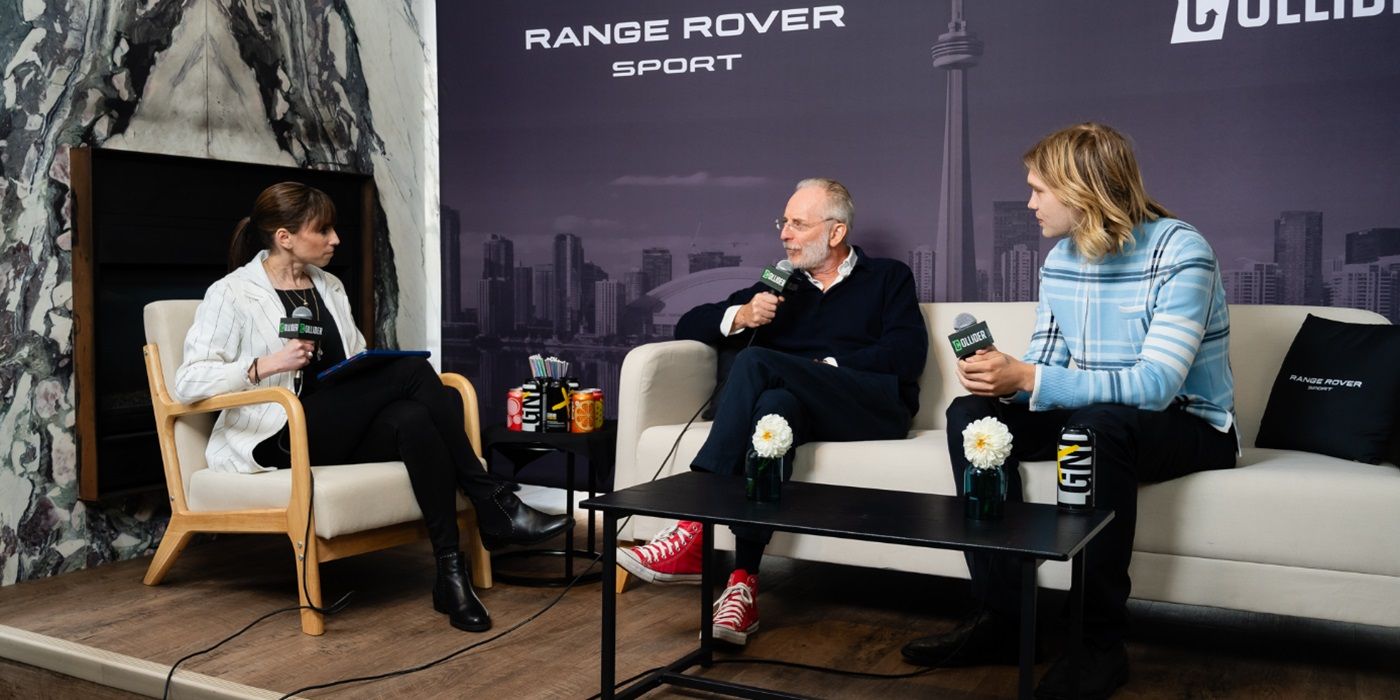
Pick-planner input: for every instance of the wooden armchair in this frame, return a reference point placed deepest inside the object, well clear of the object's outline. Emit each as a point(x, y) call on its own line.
point(358, 507)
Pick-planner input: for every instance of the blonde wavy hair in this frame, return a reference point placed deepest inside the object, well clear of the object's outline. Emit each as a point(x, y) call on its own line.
point(1091, 169)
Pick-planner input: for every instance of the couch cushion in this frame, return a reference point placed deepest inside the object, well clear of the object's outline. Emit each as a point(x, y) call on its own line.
point(1337, 392)
point(1279, 507)
point(348, 497)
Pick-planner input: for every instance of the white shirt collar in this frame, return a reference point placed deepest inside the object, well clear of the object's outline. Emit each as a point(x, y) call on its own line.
point(842, 271)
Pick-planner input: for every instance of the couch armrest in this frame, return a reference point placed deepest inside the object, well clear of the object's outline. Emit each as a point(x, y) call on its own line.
point(662, 384)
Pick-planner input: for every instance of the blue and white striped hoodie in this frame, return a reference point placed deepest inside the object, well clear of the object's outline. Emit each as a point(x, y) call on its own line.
point(1147, 327)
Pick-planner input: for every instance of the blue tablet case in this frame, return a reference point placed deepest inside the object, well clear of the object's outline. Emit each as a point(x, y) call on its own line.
point(366, 359)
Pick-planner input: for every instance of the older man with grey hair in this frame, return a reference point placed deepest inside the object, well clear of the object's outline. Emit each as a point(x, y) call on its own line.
point(837, 354)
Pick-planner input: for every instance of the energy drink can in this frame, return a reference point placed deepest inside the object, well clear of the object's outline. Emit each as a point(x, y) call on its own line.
point(597, 408)
point(531, 407)
point(515, 408)
point(1075, 469)
point(581, 410)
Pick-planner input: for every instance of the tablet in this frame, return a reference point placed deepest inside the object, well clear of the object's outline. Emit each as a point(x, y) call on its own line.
point(365, 359)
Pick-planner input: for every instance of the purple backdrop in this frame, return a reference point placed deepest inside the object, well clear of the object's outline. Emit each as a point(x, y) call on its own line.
point(1275, 134)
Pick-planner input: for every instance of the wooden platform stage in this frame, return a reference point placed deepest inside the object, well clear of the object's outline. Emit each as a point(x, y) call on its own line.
point(834, 616)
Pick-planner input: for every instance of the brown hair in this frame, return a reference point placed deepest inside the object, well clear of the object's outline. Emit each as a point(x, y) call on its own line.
point(289, 205)
point(1092, 170)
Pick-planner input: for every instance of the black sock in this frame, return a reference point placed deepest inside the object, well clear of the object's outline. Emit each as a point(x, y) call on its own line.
point(747, 554)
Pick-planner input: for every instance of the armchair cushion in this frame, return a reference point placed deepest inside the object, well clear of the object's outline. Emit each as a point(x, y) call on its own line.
point(347, 498)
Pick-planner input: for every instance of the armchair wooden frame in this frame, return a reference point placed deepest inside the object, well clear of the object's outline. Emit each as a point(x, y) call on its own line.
point(296, 518)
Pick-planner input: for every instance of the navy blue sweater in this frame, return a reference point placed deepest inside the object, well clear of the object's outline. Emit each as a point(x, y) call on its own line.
point(870, 322)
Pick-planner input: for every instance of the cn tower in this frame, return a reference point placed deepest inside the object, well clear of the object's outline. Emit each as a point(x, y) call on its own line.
point(955, 52)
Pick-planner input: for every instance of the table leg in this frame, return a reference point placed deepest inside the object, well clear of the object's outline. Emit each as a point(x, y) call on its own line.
point(707, 594)
point(592, 493)
point(569, 508)
point(1027, 681)
point(1076, 619)
point(609, 641)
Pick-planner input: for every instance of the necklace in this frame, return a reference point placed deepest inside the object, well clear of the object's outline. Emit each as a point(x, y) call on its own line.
point(300, 295)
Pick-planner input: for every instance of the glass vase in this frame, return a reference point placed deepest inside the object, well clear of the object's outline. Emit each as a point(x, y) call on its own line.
point(763, 477)
point(984, 493)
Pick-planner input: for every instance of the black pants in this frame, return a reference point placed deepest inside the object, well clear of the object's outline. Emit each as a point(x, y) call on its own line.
point(1132, 446)
point(401, 411)
point(818, 401)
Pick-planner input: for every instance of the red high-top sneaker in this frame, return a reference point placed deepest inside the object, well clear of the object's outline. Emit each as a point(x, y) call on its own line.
point(673, 556)
point(736, 611)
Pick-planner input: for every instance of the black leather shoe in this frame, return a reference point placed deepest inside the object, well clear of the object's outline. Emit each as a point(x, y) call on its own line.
point(984, 638)
point(1101, 671)
point(453, 595)
point(504, 520)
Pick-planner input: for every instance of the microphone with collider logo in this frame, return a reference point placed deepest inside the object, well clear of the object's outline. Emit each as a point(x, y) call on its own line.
point(301, 326)
point(969, 335)
point(777, 275)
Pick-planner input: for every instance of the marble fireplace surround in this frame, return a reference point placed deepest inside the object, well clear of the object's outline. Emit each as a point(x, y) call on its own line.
point(338, 85)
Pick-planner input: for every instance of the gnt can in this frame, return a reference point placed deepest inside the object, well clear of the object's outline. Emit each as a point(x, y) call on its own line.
point(581, 410)
point(531, 407)
point(1075, 469)
point(597, 408)
point(515, 409)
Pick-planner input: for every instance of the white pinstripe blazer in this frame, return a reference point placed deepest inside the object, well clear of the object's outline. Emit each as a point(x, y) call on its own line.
point(236, 322)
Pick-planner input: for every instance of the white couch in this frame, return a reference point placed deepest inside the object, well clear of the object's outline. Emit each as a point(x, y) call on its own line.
point(1284, 532)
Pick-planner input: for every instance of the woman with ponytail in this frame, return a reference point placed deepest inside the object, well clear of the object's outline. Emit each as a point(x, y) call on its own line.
point(400, 411)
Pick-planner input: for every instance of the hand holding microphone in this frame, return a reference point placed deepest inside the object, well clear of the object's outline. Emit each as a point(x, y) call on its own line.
point(763, 307)
point(760, 310)
point(302, 334)
point(295, 355)
point(982, 369)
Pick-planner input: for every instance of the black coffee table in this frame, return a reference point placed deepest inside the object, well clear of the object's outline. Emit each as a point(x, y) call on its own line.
point(1030, 532)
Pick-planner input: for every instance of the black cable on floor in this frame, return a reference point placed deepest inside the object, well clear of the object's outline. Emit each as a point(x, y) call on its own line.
point(623, 682)
point(169, 676)
point(826, 669)
point(808, 667)
point(333, 609)
point(459, 652)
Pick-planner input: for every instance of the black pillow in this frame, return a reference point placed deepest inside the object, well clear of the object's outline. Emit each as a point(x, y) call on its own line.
point(1338, 391)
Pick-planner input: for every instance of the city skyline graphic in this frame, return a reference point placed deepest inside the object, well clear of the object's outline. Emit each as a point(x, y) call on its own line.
point(576, 198)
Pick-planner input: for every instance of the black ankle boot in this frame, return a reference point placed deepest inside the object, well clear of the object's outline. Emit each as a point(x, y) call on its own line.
point(504, 519)
point(454, 597)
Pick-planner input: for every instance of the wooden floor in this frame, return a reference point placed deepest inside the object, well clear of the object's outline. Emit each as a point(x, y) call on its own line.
point(841, 617)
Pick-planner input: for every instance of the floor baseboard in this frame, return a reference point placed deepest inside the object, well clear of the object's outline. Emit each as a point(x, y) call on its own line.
point(118, 671)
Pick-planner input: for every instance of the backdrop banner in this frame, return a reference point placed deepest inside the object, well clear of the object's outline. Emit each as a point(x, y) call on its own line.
point(608, 165)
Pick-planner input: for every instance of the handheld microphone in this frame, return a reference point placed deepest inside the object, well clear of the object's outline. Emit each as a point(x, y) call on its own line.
point(777, 275)
point(969, 335)
point(300, 326)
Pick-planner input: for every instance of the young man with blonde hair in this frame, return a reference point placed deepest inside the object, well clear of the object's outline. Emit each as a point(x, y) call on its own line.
point(1134, 297)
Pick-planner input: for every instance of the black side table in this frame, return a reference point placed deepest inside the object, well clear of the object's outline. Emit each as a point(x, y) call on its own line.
point(522, 448)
